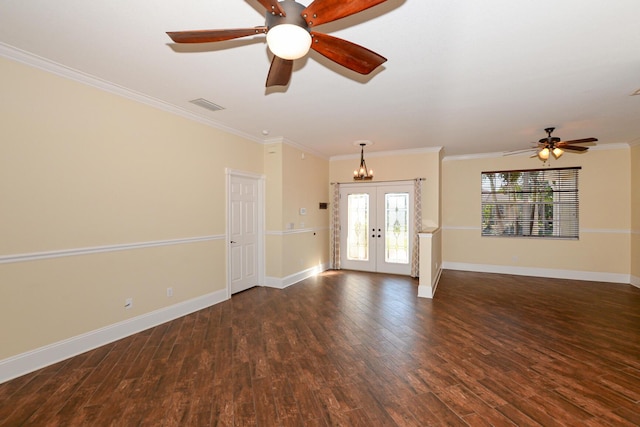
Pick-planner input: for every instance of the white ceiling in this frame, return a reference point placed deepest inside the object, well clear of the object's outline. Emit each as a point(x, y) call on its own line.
point(470, 76)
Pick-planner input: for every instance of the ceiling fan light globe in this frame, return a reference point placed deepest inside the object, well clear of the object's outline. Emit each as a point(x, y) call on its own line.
point(544, 154)
point(288, 41)
point(557, 152)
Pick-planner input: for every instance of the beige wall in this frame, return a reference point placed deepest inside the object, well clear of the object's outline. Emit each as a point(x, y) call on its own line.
point(83, 168)
point(273, 162)
point(400, 166)
point(605, 216)
point(295, 242)
point(635, 213)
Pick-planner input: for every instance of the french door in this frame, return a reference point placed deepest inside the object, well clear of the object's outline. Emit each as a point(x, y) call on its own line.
point(376, 227)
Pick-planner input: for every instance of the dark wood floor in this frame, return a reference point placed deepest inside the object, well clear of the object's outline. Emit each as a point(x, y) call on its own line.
point(358, 349)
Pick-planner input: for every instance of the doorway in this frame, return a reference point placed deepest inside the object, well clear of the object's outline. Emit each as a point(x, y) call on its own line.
point(376, 227)
point(245, 224)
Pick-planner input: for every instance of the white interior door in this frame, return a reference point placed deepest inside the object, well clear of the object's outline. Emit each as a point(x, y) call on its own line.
point(376, 227)
point(243, 233)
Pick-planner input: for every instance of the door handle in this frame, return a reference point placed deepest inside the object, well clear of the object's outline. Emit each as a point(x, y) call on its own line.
point(233, 242)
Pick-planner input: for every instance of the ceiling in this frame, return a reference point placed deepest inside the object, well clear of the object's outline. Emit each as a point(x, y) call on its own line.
point(470, 76)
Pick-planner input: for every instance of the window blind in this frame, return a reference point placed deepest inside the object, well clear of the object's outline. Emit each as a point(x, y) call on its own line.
point(539, 203)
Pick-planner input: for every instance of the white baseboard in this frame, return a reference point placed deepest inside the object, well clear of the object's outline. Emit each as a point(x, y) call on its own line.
point(592, 276)
point(635, 281)
point(425, 291)
point(33, 360)
point(281, 283)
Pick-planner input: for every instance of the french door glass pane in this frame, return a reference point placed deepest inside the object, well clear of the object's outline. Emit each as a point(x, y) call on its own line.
point(396, 245)
point(358, 223)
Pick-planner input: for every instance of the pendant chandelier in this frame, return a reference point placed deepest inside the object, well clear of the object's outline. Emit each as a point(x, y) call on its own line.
point(362, 173)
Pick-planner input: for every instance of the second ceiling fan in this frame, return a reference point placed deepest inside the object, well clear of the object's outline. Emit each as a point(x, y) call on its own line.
point(289, 36)
point(554, 145)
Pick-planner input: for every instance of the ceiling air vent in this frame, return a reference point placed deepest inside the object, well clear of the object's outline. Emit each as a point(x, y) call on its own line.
point(206, 104)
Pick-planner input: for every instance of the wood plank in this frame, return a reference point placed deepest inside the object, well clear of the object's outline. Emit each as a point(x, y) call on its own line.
point(351, 348)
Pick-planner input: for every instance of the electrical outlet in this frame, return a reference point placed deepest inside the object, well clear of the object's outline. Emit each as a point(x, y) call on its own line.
point(128, 303)
point(169, 291)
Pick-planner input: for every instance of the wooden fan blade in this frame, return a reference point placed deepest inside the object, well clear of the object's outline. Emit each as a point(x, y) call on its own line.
point(323, 11)
point(578, 141)
point(349, 55)
point(272, 6)
point(573, 147)
point(207, 36)
point(279, 72)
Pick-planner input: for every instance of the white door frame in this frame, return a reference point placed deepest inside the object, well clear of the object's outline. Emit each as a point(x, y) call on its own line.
point(375, 256)
point(229, 173)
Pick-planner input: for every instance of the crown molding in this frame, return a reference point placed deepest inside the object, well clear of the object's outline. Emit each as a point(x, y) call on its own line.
point(60, 70)
point(612, 146)
point(283, 140)
point(475, 156)
point(389, 153)
point(601, 147)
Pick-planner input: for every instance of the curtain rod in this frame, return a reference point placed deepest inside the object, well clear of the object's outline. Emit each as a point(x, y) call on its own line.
point(392, 180)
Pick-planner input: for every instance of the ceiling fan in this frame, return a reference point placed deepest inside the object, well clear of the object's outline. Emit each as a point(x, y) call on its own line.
point(553, 145)
point(289, 36)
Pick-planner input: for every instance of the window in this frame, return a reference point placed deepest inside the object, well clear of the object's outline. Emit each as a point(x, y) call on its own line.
point(540, 203)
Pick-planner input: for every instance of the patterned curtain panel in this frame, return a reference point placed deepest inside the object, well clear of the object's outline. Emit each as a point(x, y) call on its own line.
point(334, 230)
point(417, 226)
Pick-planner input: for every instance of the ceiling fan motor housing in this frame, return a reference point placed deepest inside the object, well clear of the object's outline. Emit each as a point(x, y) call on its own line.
point(288, 37)
point(293, 11)
point(549, 141)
